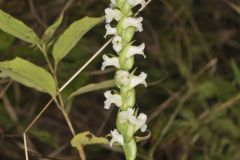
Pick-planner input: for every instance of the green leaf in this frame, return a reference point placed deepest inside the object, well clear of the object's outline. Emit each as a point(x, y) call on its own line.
point(17, 28)
point(93, 87)
point(28, 74)
point(44, 136)
point(51, 29)
point(72, 35)
point(226, 126)
point(6, 40)
point(87, 138)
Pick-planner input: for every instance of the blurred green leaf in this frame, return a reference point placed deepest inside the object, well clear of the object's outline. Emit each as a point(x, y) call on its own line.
point(44, 136)
point(210, 89)
point(5, 120)
point(87, 138)
point(226, 126)
point(93, 87)
point(28, 74)
point(51, 29)
point(17, 28)
point(6, 40)
point(72, 35)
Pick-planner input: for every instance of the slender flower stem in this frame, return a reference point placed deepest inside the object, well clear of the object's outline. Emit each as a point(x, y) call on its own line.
point(58, 99)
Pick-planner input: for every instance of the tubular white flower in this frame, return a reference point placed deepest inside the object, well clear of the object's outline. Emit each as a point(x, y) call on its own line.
point(116, 137)
point(136, 50)
point(141, 122)
point(112, 99)
point(117, 43)
point(127, 116)
point(122, 77)
point(136, 2)
point(110, 30)
point(107, 61)
point(112, 14)
point(136, 80)
point(133, 22)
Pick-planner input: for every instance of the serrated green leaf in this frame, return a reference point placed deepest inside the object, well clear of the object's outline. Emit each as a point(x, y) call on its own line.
point(28, 74)
point(93, 87)
point(17, 28)
point(51, 29)
point(87, 138)
point(72, 35)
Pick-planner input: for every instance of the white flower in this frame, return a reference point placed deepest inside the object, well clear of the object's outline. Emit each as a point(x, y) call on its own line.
point(117, 43)
point(136, 50)
point(112, 99)
point(139, 122)
point(122, 77)
point(136, 2)
point(127, 116)
point(116, 137)
point(107, 61)
point(136, 80)
point(112, 14)
point(133, 22)
point(110, 30)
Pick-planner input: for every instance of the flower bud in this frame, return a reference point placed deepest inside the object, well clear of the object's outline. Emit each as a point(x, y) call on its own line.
point(129, 62)
point(126, 63)
point(131, 98)
point(128, 34)
point(122, 127)
point(128, 135)
point(126, 9)
point(120, 28)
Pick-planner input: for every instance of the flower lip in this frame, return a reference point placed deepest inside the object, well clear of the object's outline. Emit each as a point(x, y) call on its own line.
point(117, 43)
point(110, 30)
point(136, 80)
point(112, 99)
point(133, 22)
point(107, 61)
point(133, 50)
point(141, 122)
point(116, 137)
point(112, 14)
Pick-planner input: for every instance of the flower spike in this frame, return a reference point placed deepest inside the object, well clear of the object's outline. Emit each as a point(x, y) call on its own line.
point(128, 121)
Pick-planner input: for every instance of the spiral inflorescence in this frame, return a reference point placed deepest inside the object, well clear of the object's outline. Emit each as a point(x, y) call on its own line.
point(121, 23)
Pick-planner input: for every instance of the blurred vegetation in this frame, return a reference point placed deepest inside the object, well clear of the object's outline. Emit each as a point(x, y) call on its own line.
point(192, 101)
